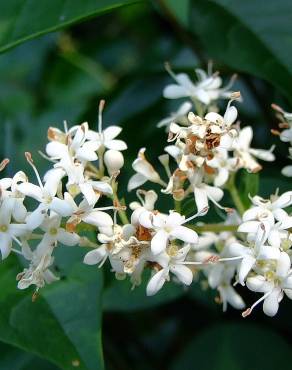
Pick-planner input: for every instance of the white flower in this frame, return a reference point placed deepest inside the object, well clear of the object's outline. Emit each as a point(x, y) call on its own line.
point(54, 232)
point(145, 172)
point(274, 285)
point(77, 148)
point(223, 164)
point(107, 139)
point(250, 255)
point(147, 204)
point(178, 116)
point(38, 272)
point(9, 231)
point(174, 258)
point(245, 153)
point(167, 228)
point(203, 192)
point(46, 196)
point(87, 213)
point(19, 211)
point(207, 88)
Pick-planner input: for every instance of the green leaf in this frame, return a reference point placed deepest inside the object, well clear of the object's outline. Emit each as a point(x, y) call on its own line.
point(22, 20)
point(248, 186)
point(119, 296)
point(250, 36)
point(181, 10)
point(13, 358)
point(234, 347)
point(62, 325)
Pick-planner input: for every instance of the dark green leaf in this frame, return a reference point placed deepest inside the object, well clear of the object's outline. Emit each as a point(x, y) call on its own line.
point(249, 36)
point(63, 325)
point(248, 186)
point(22, 20)
point(234, 347)
point(119, 296)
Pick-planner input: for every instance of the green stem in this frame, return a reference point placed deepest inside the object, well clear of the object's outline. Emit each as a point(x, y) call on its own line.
point(231, 187)
point(216, 228)
point(177, 206)
point(100, 153)
point(122, 213)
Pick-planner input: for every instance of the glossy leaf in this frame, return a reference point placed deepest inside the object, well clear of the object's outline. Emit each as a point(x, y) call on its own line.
point(22, 20)
point(62, 325)
point(234, 346)
point(249, 36)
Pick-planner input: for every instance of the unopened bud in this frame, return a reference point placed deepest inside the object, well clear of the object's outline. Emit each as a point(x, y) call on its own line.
point(113, 160)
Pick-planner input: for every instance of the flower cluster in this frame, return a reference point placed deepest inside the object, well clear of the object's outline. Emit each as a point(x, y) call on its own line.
point(203, 153)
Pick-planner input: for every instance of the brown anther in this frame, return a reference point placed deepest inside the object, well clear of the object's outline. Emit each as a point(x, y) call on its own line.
point(143, 234)
point(4, 163)
point(28, 157)
point(35, 296)
point(246, 313)
point(229, 210)
point(277, 108)
point(235, 95)
point(275, 132)
point(284, 125)
point(101, 105)
point(212, 259)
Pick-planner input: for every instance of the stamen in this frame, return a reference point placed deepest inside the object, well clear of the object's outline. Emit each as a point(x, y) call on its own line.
point(202, 212)
point(170, 71)
point(65, 126)
point(100, 110)
point(248, 311)
point(4, 163)
point(30, 161)
point(230, 259)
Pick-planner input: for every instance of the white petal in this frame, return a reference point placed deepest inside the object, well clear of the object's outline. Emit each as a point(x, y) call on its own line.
point(271, 303)
point(116, 145)
point(185, 234)
point(287, 171)
point(30, 190)
point(175, 92)
point(88, 192)
point(222, 177)
point(5, 245)
point(233, 298)
point(67, 238)
point(246, 265)
point(96, 256)
point(61, 206)
point(183, 273)
point(111, 132)
point(283, 265)
point(102, 186)
point(98, 218)
point(214, 193)
point(201, 198)
point(264, 155)
point(156, 283)
point(249, 227)
point(36, 218)
point(136, 181)
point(159, 242)
point(230, 116)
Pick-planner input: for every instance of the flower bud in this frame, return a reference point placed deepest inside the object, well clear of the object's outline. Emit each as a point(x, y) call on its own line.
point(113, 160)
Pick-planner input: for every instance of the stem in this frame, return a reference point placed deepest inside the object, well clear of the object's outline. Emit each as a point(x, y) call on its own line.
point(100, 153)
point(199, 107)
point(216, 228)
point(231, 187)
point(122, 213)
point(177, 206)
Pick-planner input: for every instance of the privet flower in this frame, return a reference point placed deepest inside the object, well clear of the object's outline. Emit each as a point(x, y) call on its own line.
point(204, 149)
